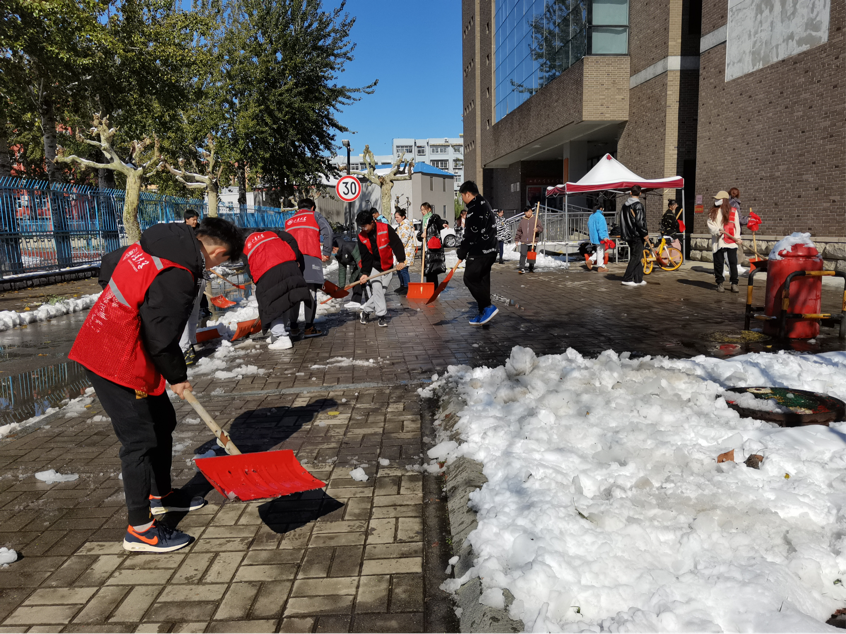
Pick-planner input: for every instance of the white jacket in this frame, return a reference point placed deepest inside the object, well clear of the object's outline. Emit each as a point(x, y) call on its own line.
point(717, 240)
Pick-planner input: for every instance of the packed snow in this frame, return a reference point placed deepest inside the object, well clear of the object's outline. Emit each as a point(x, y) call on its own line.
point(605, 508)
point(51, 476)
point(358, 475)
point(344, 361)
point(787, 243)
point(10, 319)
point(7, 556)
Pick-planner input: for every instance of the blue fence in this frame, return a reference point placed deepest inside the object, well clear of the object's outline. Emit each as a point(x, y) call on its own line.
point(50, 227)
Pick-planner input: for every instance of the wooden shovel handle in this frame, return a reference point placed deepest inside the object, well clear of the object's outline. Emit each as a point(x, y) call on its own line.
point(370, 277)
point(222, 436)
point(225, 279)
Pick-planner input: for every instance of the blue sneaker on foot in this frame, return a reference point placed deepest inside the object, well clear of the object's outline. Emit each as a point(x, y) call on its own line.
point(175, 501)
point(474, 321)
point(156, 539)
point(487, 315)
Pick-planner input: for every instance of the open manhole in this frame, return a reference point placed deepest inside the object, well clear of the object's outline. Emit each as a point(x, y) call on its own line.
point(737, 336)
point(785, 406)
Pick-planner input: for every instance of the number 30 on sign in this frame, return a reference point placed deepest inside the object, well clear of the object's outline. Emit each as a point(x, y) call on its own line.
point(348, 188)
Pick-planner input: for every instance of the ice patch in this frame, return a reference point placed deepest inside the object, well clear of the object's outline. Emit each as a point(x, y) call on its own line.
point(51, 476)
point(358, 475)
point(384, 462)
point(344, 361)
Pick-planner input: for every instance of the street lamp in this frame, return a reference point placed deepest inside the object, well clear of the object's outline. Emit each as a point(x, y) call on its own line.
point(347, 211)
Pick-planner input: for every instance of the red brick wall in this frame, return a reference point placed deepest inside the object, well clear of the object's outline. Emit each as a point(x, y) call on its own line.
point(777, 134)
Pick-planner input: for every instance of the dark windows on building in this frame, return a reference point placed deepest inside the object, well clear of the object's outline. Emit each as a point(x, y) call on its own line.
point(537, 40)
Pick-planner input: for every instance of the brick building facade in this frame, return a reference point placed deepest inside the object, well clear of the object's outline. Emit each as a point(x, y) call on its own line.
point(704, 89)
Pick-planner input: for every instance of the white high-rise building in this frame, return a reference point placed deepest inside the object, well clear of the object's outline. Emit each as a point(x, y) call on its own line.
point(441, 152)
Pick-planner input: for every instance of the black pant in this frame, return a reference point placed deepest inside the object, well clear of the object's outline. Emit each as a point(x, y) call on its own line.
point(634, 271)
point(433, 278)
point(477, 278)
point(310, 312)
point(500, 248)
point(719, 263)
point(143, 427)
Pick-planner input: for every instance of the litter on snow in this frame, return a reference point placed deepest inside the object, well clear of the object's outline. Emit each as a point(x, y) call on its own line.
point(51, 476)
point(605, 508)
point(10, 319)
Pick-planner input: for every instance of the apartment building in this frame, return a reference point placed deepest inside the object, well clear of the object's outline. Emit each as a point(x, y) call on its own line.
point(443, 153)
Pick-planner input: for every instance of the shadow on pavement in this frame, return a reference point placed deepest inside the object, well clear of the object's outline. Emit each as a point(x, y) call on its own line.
point(293, 511)
point(706, 285)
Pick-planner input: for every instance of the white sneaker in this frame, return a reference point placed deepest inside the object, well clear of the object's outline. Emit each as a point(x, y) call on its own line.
point(282, 343)
point(643, 283)
point(630, 284)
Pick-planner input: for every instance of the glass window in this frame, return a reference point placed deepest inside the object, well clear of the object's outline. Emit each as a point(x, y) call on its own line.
point(608, 40)
point(421, 151)
point(457, 149)
point(610, 12)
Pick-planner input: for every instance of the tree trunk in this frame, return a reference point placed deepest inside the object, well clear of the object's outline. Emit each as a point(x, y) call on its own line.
point(48, 130)
point(5, 156)
point(386, 199)
point(130, 207)
point(242, 185)
point(211, 190)
point(105, 178)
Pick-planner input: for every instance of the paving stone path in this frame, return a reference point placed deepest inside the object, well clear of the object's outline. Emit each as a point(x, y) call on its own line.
point(357, 556)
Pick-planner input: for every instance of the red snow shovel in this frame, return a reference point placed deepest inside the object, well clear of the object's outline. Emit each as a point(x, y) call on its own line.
point(247, 328)
point(220, 301)
point(422, 291)
point(442, 286)
point(333, 290)
point(349, 286)
point(267, 474)
point(532, 254)
point(226, 279)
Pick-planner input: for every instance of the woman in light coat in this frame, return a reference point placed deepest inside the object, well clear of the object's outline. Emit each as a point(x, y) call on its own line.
point(405, 231)
point(724, 225)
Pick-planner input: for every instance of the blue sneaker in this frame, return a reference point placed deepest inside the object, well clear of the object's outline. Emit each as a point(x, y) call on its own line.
point(487, 315)
point(175, 501)
point(475, 320)
point(156, 539)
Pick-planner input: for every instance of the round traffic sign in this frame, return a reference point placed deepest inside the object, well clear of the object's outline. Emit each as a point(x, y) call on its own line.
point(348, 188)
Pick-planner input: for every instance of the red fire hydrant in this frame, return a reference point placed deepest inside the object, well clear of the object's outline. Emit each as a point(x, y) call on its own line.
point(805, 292)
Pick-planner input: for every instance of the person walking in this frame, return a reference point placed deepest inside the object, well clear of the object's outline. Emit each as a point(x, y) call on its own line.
point(129, 346)
point(430, 238)
point(405, 231)
point(460, 224)
point(276, 266)
point(379, 245)
point(378, 216)
point(598, 230)
point(348, 256)
point(501, 232)
point(314, 237)
point(724, 225)
point(633, 230)
point(526, 237)
point(479, 250)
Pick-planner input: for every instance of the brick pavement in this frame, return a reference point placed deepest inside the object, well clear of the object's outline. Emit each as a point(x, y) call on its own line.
point(357, 556)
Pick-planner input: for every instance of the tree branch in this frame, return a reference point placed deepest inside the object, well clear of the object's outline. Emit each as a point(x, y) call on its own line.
point(73, 158)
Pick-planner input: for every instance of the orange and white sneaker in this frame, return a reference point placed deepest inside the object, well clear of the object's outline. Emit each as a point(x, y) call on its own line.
point(156, 539)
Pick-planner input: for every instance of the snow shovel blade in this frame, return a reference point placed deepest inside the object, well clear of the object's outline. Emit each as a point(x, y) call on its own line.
point(531, 255)
point(420, 291)
point(253, 476)
point(442, 286)
point(221, 302)
point(247, 328)
point(332, 289)
point(207, 334)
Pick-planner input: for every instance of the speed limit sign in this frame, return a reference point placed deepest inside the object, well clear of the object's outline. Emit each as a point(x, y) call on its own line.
point(348, 188)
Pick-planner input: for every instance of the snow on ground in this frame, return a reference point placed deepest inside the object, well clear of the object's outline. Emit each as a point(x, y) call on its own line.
point(358, 475)
point(605, 508)
point(51, 476)
point(7, 556)
point(335, 362)
point(543, 261)
point(10, 319)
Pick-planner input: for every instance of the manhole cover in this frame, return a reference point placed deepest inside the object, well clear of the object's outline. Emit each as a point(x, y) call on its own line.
point(786, 407)
point(737, 336)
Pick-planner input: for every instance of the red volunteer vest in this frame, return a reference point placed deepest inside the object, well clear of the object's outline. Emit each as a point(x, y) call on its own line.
point(265, 250)
point(383, 243)
point(730, 227)
point(109, 342)
point(306, 232)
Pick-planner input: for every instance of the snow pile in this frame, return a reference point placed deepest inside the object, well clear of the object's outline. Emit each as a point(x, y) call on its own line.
point(750, 401)
point(605, 507)
point(543, 262)
point(7, 556)
point(788, 242)
point(52, 476)
point(358, 475)
point(238, 373)
point(335, 362)
point(10, 319)
point(225, 354)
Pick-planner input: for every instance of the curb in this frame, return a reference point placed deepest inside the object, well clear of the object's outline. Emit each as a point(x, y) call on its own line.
point(462, 478)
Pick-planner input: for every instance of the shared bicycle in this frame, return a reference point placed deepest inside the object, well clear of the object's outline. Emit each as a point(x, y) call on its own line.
point(669, 258)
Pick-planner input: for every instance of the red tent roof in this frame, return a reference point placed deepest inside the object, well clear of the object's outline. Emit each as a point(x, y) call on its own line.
point(609, 173)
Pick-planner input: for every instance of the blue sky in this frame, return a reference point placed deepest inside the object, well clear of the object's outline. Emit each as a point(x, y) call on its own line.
point(413, 47)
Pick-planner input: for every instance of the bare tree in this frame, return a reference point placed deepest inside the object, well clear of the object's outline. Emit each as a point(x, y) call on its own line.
point(210, 181)
point(401, 170)
point(133, 169)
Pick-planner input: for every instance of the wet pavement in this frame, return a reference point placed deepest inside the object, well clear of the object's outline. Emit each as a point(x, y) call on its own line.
point(357, 556)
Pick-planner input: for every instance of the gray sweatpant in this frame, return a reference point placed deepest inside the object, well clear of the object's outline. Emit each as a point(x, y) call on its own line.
point(377, 295)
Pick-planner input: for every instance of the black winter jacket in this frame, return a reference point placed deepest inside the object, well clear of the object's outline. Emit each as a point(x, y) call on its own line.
point(282, 286)
point(479, 230)
point(171, 296)
point(633, 220)
point(435, 263)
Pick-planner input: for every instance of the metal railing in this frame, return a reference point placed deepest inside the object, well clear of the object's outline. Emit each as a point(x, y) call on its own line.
point(58, 226)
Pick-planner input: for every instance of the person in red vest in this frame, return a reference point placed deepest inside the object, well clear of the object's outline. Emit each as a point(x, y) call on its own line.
point(129, 345)
point(378, 244)
point(276, 266)
point(314, 236)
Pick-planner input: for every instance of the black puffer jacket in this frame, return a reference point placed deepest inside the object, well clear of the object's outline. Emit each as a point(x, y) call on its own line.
point(282, 286)
point(633, 220)
point(435, 263)
point(479, 231)
point(170, 297)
